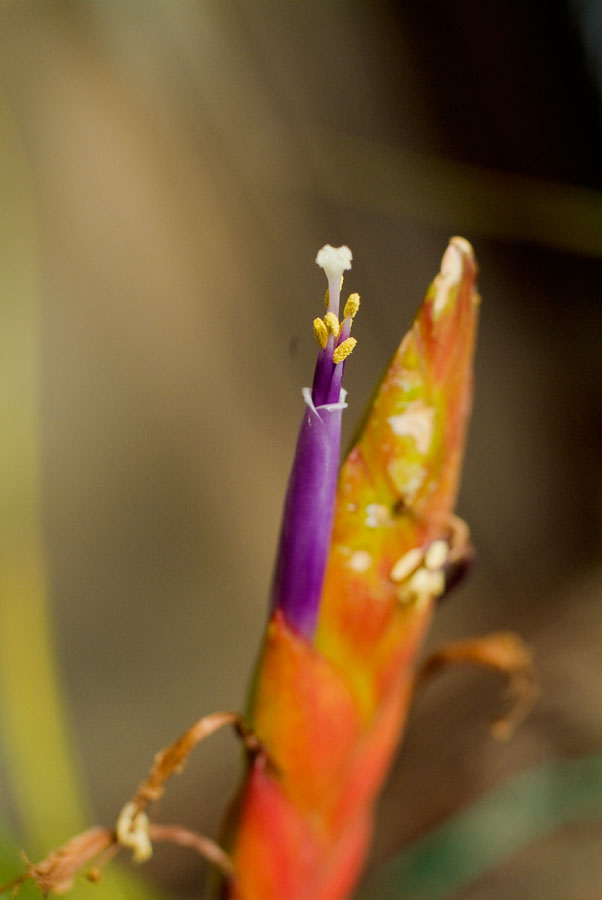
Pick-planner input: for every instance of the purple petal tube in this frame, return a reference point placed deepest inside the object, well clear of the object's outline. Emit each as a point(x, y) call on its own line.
point(307, 521)
point(309, 505)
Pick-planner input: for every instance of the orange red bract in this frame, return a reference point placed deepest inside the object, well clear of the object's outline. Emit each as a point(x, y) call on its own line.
point(329, 709)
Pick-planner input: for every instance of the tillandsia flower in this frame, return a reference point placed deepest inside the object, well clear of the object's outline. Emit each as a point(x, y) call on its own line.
point(360, 567)
point(362, 561)
point(309, 505)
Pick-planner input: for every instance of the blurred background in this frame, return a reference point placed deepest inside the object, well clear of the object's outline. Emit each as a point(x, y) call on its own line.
point(168, 171)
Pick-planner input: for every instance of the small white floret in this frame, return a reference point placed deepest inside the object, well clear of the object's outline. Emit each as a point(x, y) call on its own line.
point(436, 555)
point(406, 564)
point(426, 584)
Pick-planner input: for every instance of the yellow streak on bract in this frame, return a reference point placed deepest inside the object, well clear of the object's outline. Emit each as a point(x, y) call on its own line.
point(352, 305)
point(332, 323)
point(343, 350)
point(320, 332)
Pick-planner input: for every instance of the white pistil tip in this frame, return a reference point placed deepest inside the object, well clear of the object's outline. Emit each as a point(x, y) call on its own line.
point(334, 260)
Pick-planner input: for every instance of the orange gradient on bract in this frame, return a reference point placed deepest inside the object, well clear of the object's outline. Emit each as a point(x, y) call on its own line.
point(331, 713)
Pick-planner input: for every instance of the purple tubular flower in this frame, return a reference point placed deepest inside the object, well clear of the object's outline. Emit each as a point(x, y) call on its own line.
point(309, 505)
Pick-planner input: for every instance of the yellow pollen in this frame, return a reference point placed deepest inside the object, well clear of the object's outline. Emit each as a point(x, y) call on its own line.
point(343, 350)
point(321, 333)
point(332, 324)
point(352, 305)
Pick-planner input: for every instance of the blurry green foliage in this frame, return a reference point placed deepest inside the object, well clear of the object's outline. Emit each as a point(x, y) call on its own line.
point(512, 815)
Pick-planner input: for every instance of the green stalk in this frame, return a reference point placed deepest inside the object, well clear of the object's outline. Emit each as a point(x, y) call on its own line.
point(36, 737)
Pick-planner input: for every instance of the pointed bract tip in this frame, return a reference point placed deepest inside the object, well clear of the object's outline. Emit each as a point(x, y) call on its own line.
point(458, 256)
point(458, 250)
point(464, 246)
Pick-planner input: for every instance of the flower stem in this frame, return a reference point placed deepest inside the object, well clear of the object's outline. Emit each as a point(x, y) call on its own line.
point(35, 734)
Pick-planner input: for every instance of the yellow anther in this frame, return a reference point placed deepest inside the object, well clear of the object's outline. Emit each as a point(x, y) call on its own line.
point(343, 350)
point(332, 323)
point(320, 332)
point(352, 305)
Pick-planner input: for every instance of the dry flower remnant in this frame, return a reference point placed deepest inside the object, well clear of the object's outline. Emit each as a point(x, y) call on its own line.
point(366, 551)
point(134, 829)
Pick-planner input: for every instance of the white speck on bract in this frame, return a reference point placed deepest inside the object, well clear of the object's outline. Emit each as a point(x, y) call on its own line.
point(377, 515)
point(360, 561)
point(425, 583)
point(416, 422)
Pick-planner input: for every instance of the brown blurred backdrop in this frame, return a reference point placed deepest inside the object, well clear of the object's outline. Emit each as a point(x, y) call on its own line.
point(169, 171)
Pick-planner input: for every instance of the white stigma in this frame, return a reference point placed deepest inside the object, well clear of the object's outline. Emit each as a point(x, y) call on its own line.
point(334, 261)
